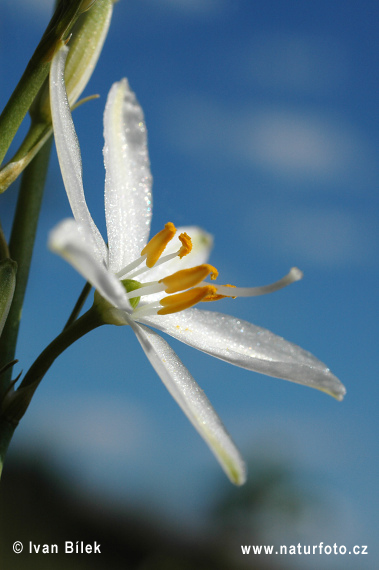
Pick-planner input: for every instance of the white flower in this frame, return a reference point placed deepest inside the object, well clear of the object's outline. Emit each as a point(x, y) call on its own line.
point(155, 283)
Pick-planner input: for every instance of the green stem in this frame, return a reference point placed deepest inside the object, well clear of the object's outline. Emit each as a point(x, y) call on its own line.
point(34, 134)
point(20, 101)
point(58, 29)
point(6, 432)
point(86, 323)
point(21, 249)
point(15, 403)
point(79, 304)
point(4, 249)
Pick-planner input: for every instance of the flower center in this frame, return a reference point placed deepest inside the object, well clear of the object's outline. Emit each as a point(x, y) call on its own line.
point(132, 285)
point(186, 287)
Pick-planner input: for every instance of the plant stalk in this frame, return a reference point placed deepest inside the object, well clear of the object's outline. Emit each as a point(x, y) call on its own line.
point(16, 402)
point(21, 249)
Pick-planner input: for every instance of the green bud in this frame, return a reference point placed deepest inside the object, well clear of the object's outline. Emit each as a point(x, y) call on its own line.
point(57, 31)
point(86, 5)
point(8, 270)
point(86, 42)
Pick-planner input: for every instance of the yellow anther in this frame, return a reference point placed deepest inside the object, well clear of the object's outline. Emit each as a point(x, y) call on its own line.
point(187, 278)
point(213, 297)
point(214, 274)
point(181, 301)
point(217, 297)
point(186, 244)
point(157, 244)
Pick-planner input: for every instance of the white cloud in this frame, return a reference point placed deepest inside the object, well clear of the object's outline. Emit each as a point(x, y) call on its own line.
point(292, 62)
point(27, 7)
point(325, 236)
point(196, 5)
point(193, 7)
point(300, 145)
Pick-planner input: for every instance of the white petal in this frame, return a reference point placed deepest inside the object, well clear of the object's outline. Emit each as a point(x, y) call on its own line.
point(128, 199)
point(192, 400)
point(69, 152)
point(74, 243)
point(248, 346)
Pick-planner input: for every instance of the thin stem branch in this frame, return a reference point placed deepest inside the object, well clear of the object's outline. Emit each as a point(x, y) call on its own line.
point(16, 402)
point(79, 304)
point(21, 249)
point(64, 17)
point(86, 323)
point(6, 432)
point(20, 101)
point(4, 250)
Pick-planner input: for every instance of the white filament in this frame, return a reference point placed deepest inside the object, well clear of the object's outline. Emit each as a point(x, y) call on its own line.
point(294, 275)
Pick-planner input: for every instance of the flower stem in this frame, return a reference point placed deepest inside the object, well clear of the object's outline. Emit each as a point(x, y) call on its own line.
point(6, 432)
point(83, 325)
point(20, 101)
point(16, 402)
point(4, 250)
point(21, 249)
point(79, 304)
point(64, 17)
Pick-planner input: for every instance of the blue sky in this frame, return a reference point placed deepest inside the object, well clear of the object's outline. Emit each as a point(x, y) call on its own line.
point(262, 121)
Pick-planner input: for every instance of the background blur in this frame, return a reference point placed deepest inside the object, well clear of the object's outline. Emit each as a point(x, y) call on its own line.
point(262, 120)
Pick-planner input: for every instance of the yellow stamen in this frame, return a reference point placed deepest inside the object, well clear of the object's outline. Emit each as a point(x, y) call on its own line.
point(214, 274)
point(181, 301)
point(186, 244)
point(217, 297)
point(157, 244)
point(187, 278)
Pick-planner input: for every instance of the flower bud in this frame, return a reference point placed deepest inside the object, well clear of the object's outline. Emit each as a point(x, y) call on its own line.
point(86, 42)
point(86, 5)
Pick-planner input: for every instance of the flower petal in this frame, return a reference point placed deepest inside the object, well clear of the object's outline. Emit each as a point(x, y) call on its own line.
point(128, 199)
point(248, 346)
point(192, 400)
point(74, 243)
point(69, 152)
